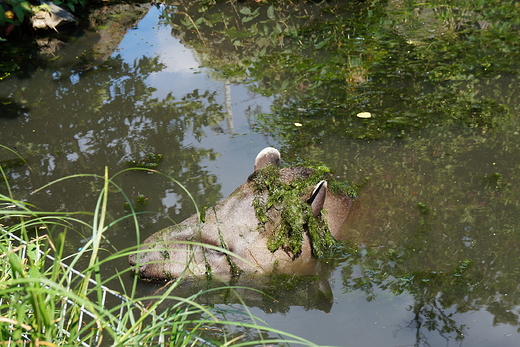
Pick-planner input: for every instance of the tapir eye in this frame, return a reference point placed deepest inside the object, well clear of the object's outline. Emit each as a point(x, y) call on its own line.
point(215, 247)
point(213, 251)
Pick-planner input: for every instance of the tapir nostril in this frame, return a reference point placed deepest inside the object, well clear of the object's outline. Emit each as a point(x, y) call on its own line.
point(132, 259)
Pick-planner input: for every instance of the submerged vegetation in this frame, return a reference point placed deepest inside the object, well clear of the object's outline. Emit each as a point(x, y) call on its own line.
point(150, 162)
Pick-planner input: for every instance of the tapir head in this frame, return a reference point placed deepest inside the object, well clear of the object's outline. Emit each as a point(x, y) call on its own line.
point(257, 229)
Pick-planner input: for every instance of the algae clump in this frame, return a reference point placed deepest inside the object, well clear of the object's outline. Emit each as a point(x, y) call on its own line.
point(295, 213)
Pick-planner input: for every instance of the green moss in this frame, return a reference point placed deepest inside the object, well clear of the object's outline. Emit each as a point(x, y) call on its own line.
point(202, 213)
point(296, 214)
point(165, 254)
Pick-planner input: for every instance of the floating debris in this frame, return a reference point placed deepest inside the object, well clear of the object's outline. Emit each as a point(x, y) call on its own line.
point(364, 115)
point(149, 163)
point(10, 163)
point(140, 202)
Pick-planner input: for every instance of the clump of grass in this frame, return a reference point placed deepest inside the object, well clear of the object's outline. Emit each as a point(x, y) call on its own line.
point(44, 302)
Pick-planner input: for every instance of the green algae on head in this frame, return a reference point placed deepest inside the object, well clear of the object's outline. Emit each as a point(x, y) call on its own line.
point(286, 193)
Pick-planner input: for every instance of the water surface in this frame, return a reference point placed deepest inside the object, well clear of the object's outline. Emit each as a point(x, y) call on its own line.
point(434, 232)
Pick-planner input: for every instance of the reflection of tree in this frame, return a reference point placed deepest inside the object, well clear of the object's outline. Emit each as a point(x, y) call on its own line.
point(326, 63)
point(436, 296)
point(431, 317)
point(419, 260)
point(442, 80)
point(401, 82)
point(124, 122)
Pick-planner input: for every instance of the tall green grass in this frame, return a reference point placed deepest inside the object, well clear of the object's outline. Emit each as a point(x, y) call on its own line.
point(44, 302)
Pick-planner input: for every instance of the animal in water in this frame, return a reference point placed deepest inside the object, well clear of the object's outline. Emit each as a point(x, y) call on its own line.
point(279, 221)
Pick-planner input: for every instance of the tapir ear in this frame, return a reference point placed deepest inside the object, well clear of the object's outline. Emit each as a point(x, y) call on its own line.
point(317, 198)
point(268, 155)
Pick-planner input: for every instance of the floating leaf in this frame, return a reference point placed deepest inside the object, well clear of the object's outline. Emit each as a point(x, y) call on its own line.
point(270, 12)
point(245, 10)
point(298, 124)
point(364, 115)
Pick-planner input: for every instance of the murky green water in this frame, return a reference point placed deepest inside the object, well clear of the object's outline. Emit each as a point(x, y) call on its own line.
point(435, 227)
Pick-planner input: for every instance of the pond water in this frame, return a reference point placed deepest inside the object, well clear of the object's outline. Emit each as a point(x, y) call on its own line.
point(433, 238)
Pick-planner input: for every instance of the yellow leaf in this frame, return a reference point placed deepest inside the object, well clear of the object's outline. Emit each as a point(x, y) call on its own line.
point(364, 115)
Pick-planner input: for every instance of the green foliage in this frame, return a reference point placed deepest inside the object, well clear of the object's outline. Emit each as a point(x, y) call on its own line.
point(16, 12)
point(327, 62)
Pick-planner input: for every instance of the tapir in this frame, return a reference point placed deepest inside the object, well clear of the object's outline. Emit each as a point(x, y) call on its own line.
point(232, 239)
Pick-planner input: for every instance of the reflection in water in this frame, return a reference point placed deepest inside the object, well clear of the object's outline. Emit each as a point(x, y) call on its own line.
point(119, 112)
point(11, 109)
point(436, 224)
point(229, 109)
